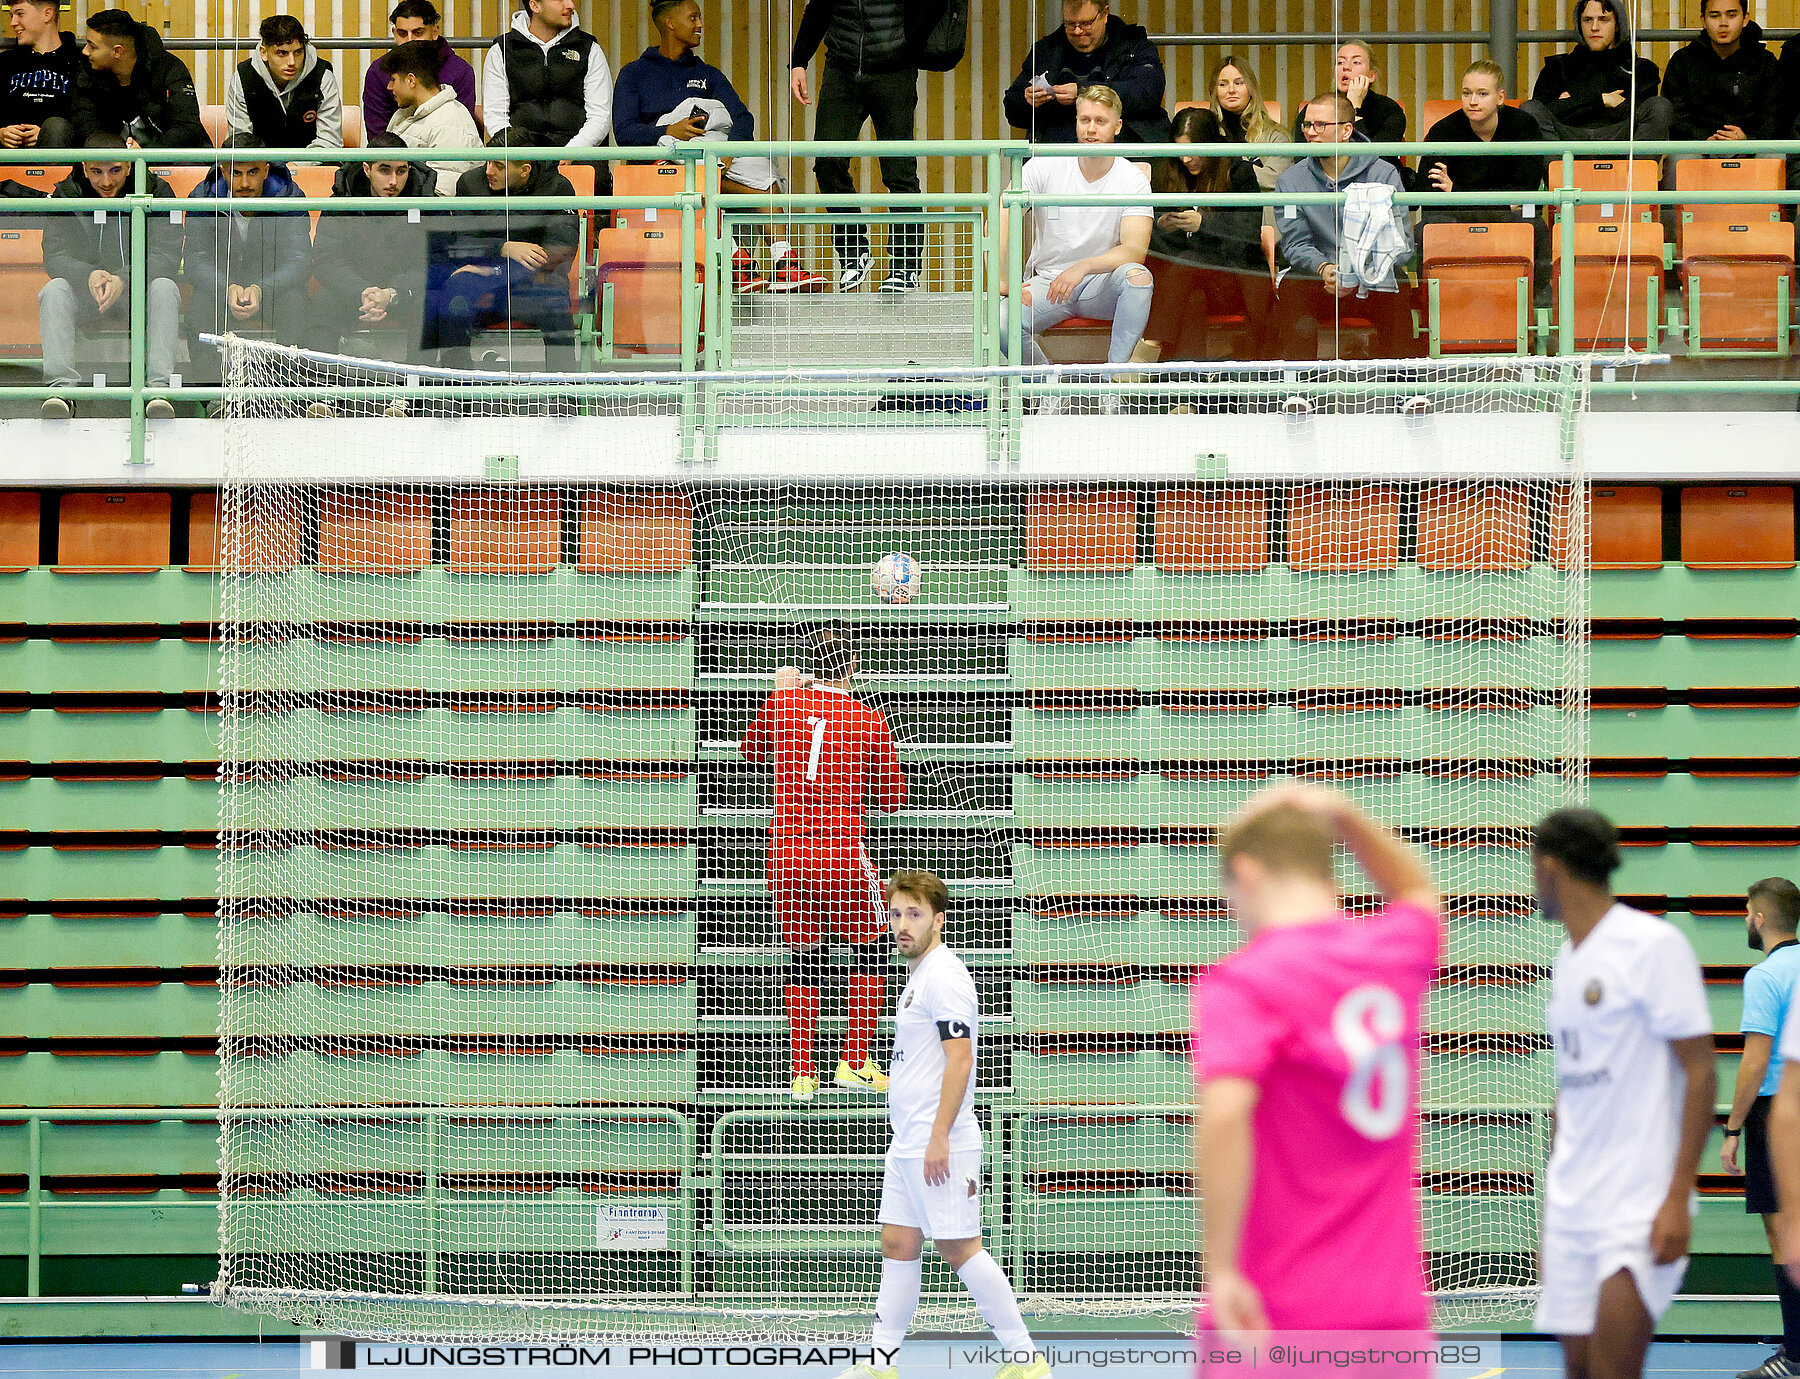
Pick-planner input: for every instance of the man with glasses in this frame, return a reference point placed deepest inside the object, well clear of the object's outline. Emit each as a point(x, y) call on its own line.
point(1341, 268)
point(1094, 47)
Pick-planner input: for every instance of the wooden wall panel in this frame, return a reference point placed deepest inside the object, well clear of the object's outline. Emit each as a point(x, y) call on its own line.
point(750, 41)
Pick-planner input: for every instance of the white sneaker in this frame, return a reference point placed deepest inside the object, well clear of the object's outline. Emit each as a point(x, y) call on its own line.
point(159, 409)
point(1298, 406)
point(1110, 403)
point(855, 272)
point(56, 409)
point(399, 407)
point(320, 409)
point(1050, 404)
point(900, 281)
point(1416, 407)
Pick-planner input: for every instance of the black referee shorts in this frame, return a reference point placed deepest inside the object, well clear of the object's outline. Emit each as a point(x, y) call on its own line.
point(1759, 1178)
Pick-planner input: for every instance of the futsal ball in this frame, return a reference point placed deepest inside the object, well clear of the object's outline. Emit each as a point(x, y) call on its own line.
point(896, 578)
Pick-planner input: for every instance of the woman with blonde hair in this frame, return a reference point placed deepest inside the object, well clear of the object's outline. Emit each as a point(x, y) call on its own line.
point(1238, 101)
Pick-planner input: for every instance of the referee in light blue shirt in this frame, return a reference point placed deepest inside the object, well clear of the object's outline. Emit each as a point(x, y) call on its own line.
point(1771, 914)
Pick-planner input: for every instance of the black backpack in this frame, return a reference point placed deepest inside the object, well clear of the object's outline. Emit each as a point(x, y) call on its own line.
point(942, 47)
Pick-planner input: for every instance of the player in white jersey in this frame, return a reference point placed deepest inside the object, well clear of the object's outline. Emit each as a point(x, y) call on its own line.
point(932, 1183)
point(1634, 1105)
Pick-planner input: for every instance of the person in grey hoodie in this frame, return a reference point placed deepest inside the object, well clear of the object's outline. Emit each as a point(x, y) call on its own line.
point(284, 93)
point(88, 259)
point(1312, 295)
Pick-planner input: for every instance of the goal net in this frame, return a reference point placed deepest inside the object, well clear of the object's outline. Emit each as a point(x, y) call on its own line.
point(505, 1036)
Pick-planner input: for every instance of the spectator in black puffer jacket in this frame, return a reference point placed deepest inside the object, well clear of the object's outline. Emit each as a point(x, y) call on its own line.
point(1092, 48)
point(1379, 119)
point(370, 265)
point(1722, 83)
point(871, 74)
point(1585, 92)
point(134, 87)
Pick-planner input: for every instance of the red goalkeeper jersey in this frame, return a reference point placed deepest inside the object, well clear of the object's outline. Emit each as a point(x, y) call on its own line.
point(830, 755)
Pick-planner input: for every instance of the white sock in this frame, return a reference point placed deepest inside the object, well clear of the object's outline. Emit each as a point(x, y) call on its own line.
point(779, 250)
point(896, 1303)
point(986, 1282)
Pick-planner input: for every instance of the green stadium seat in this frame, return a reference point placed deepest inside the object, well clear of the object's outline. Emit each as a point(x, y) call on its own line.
point(1083, 730)
point(1075, 1077)
point(120, 804)
point(138, 879)
point(602, 1073)
point(608, 868)
point(1092, 796)
point(631, 796)
point(1681, 731)
point(487, 1003)
point(1680, 870)
point(1083, 866)
point(143, 1010)
point(137, 1075)
point(1685, 663)
point(123, 533)
point(162, 1148)
point(1089, 1221)
point(1684, 800)
point(1056, 932)
point(1049, 1004)
point(123, 730)
point(1737, 527)
point(143, 939)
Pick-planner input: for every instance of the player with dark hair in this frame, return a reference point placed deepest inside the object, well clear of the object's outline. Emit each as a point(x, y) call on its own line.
point(1307, 1046)
point(1634, 1104)
point(829, 753)
point(134, 86)
point(931, 1173)
point(1771, 915)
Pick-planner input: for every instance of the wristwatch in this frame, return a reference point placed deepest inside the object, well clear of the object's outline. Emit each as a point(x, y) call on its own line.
point(1732, 1134)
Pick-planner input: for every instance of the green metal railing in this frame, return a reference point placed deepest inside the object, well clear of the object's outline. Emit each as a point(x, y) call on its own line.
point(684, 1232)
point(706, 221)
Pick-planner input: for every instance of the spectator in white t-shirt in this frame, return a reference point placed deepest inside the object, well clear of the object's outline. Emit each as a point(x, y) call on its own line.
point(1086, 261)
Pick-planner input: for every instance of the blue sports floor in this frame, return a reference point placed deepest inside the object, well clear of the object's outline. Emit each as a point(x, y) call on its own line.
point(1087, 1358)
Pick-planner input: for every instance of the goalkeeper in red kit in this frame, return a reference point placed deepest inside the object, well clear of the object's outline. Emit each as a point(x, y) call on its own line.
point(829, 754)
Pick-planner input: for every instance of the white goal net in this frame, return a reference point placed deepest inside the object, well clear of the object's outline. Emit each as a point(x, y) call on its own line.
point(509, 1023)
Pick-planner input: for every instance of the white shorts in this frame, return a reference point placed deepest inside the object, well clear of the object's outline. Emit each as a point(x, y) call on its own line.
point(759, 174)
point(1572, 1266)
point(950, 1210)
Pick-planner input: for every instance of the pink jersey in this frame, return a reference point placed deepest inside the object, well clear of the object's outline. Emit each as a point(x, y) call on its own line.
point(1325, 1019)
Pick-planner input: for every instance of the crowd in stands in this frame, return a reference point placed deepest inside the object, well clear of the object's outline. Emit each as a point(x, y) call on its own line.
point(430, 280)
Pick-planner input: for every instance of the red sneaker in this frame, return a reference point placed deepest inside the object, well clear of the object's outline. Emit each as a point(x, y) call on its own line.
point(744, 277)
point(786, 275)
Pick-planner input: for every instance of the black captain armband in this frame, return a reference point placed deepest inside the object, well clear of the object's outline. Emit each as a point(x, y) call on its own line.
point(953, 1029)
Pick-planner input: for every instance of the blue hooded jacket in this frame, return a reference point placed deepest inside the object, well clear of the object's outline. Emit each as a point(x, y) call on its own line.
point(270, 247)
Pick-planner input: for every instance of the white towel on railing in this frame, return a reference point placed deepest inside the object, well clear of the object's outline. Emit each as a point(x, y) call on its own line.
point(1373, 242)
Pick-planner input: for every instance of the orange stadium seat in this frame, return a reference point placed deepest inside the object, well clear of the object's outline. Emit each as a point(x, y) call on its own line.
point(314, 181)
point(1747, 527)
point(183, 180)
point(1344, 527)
point(375, 533)
point(1746, 176)
point(271, 547)
point(21, 277)
point(1478, 287)
point(1069, 530)
point(19, 529)
point(1618, 269)
point(117, 533)
point(505, 533)
point(636, 533)
point(1621, 175)
point(1626, 524)
point(1223, 529)
point(353, 127)
point(1474, 527)
point(640, 278)
point(39, 179)
point(1738, 283)
point(213, 117)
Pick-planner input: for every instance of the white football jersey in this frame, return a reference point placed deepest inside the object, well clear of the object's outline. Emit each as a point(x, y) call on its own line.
point(1616, 1002)
point(939, 1003)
